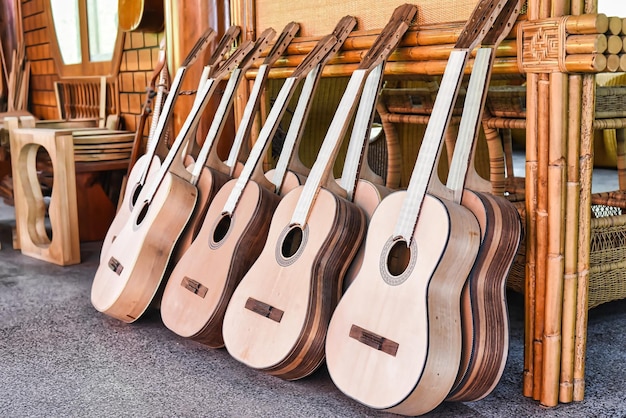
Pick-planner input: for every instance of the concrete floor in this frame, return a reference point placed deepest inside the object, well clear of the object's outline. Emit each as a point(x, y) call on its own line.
point(59, 357)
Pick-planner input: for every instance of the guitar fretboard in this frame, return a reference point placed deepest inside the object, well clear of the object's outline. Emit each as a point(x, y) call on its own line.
point(248, 116)
point(361, 130)
point(163, 120)
point(431, 145)
point(330, 146)
point(267, 132)
point(470, 122)
point(296, 127)
point(218, 123)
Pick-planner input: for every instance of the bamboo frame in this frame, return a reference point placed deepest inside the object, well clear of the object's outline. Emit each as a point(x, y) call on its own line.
point(570, 279)
point(555, 242)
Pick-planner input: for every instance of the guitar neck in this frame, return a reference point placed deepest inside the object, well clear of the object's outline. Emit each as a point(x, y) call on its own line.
point(361, 131)
point(322, 167)
point(217, 126)
point(245, 126)
point(163, 119)
point(470, 123)
point(430, 149)
point(479, 25)
point(296, 127)
point(462, 169)
point(189, 126)
point(265, 136)
point(254, 100)
point(158, 103)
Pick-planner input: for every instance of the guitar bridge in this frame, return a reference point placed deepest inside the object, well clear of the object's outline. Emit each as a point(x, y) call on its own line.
point(264, 309)
point(115, 266)
point(194, 287)
point(375, 341)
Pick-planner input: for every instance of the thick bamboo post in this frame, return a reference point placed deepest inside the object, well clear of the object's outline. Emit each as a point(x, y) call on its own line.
point(570, 282)
point(555, 239)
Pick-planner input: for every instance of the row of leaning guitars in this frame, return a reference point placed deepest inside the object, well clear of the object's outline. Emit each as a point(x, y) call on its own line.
point(292, 267)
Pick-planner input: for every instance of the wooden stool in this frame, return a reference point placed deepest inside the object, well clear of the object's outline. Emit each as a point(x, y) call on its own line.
point(63, 248)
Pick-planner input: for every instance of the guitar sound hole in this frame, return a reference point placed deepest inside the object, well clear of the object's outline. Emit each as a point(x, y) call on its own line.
point(399, 258)
point(292, 242)
point(142, 214)
point(135, 196)
point(221, 229)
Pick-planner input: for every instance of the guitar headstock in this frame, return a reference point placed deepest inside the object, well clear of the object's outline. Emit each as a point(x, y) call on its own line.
point(235, 59)
point(390, 36)
point(201, 43)
point(326, 47)
point(258, 47)
point(479, 23)
point(504, 23)
point(223, 47)
point(281, 44)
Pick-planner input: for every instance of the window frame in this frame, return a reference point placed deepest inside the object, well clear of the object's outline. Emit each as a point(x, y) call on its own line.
point(86, 68)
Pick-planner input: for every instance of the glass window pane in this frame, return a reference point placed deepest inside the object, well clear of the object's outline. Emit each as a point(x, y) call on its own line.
point(102, 16)
point(66, 24)
point(612, 8)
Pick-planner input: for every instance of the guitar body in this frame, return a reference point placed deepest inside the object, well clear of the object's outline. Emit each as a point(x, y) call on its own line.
point(131, 193)
point(290, 182)
point(209, 183)
point(367, 196)
point(126, 283)
point(200, 286)
point(277, 318)
point(141, 15)
point(394, 341)
point(483, 304)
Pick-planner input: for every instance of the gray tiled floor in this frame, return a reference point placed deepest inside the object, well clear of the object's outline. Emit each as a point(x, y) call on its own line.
point(61, 358)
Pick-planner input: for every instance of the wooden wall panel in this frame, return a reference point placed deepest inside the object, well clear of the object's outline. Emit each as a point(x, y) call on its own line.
point(141, 51)
point(43, 73)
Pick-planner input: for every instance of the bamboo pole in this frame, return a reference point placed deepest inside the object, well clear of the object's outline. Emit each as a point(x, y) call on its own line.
point(570, 282)
point(612, 63)
point(580, 63)
point(615, 25)
point(584, 231)
point(585, 44)
point(555, 239)
point(584, 234)
point(614, 44)
point(530, 302)
point(543, 132)
point(587, 23)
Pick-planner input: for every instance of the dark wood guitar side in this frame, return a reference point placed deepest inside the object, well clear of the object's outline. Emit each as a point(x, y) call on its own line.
point(277, 318)
point(395, 340)
point(130, 276)
point(295, 265)
point(484, 314)
point(236, 225)
point(484, 319)
point(141, 15)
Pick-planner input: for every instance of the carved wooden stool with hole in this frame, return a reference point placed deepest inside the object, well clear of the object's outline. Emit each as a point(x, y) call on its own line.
point(62, 246)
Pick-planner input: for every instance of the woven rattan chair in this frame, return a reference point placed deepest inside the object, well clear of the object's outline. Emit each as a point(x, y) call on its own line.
point(506, 111)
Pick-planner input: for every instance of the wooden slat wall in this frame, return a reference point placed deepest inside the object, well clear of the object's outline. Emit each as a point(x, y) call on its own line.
point(140, 55)
point(43, 72)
